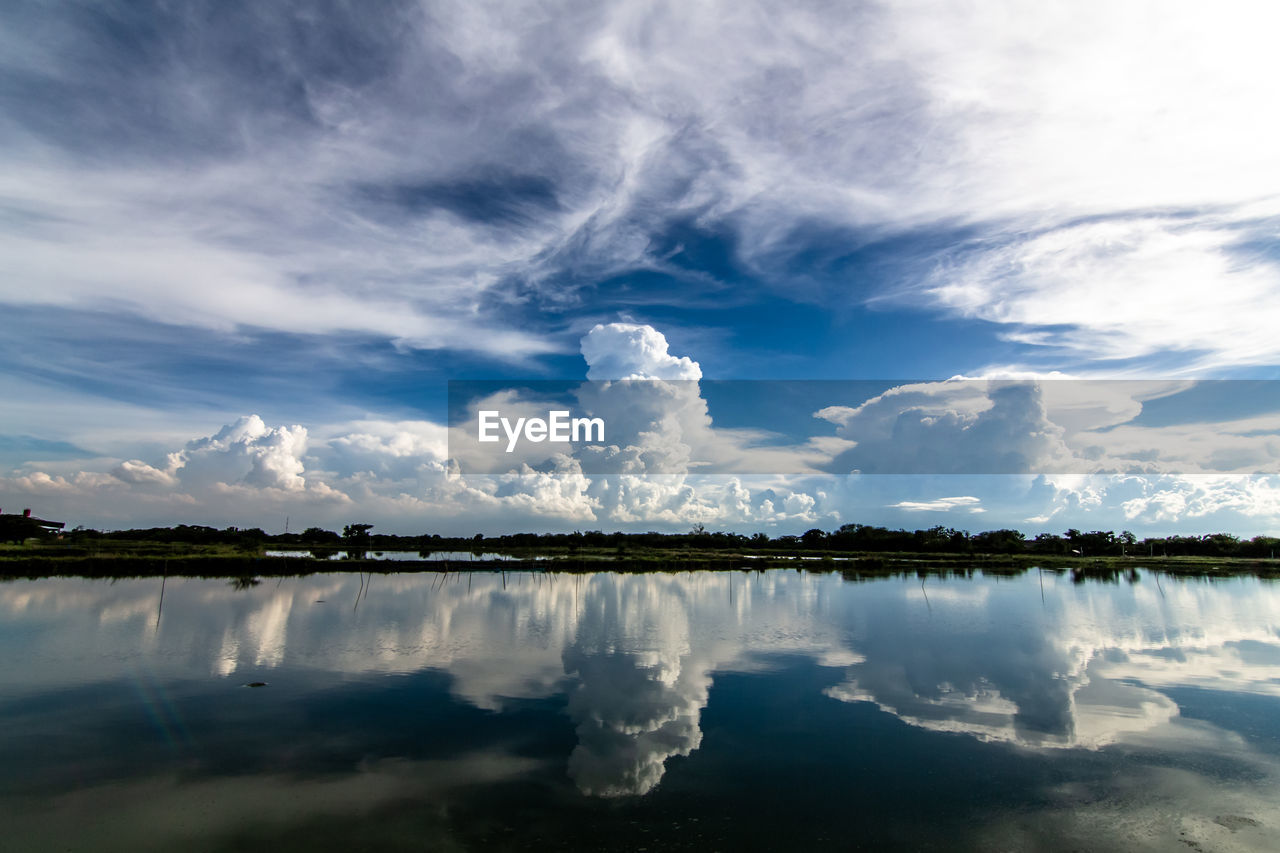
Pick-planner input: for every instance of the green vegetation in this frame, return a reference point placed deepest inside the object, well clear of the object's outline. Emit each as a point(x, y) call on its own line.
point(853, 549)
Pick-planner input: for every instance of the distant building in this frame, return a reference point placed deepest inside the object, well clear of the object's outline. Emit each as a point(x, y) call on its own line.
point(17, 528)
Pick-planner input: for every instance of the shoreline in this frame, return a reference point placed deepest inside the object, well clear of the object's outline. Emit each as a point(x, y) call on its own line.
point(106, 563)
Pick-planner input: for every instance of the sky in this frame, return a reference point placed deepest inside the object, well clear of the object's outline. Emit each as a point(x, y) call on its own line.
point(245, 247)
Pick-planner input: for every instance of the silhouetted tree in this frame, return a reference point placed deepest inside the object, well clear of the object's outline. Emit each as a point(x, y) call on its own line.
point(356, 534)
point(998, 542)
point(320, 536)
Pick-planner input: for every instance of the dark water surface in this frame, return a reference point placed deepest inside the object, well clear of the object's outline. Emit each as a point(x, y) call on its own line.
point(707, 711)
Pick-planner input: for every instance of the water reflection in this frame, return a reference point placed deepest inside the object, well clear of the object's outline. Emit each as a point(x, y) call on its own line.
point(633, 660)
point(407, 556)
point(637, 702)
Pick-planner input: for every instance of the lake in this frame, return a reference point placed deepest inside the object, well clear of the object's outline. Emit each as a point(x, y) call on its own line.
point(697, 711)
point(405, 556)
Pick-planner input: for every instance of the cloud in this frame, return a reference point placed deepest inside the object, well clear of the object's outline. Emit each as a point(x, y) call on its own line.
point(1172, 499)
point(945, 428)
point(140, 473)
point(42, 483)
point(495, 181)
point(1124, 288)
point(966, 502)
point(400, 472)
point(458, 170)
point(261, 190)
point(562, 493)
point(246, 468)
point(1202, 446)
point(387, 450)
point(664, 463)
point(248, 452)
point(631, 351)
point(658, 434)
point(1059, 426)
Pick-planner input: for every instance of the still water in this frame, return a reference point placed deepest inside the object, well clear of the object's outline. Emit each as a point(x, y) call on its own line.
point(408, 556)
point(704, 711)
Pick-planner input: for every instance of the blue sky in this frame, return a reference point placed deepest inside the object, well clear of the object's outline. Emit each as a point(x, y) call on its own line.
point(306, 219)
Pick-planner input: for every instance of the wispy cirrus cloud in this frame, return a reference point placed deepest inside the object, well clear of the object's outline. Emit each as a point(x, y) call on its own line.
point(1129, 287)
point(427, 174)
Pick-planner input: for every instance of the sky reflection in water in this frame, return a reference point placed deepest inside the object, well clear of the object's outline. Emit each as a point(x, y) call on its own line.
point(490, 709)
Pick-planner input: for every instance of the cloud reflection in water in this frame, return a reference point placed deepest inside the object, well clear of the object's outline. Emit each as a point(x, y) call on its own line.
point(637, 655)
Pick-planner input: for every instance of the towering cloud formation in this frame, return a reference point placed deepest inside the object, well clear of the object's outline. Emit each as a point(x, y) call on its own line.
point(249, 452)
point(660, 430)
point(246, 452)
point(950, 428)
point(631, 351)
point(665, 462)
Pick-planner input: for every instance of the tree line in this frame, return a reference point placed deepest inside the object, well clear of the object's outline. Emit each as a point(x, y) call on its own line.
point(848, 537)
